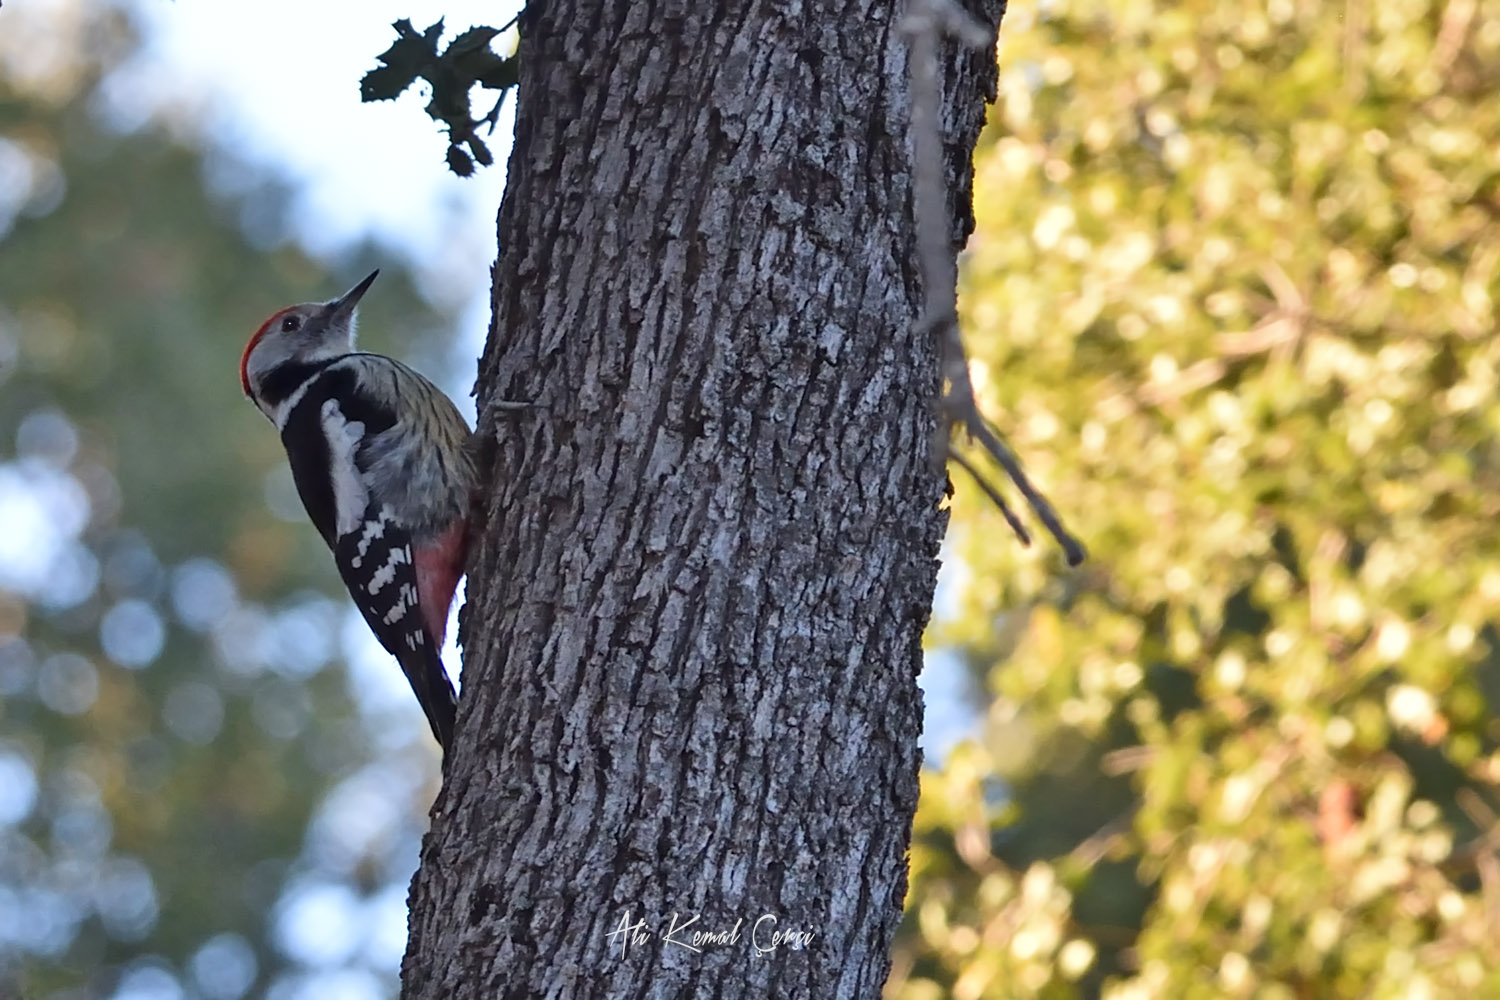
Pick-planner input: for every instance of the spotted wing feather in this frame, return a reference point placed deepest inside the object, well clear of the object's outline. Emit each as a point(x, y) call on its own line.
point(377, 566)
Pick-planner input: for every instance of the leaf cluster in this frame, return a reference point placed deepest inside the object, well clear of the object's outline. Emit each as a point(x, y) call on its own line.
point(450, 76)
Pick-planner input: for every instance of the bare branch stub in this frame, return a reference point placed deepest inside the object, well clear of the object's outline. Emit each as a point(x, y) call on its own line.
point(995, 495)
point(927, 23)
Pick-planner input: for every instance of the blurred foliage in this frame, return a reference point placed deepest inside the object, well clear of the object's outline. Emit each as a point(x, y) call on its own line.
point(450, 76)
point(169, 716)
point(1233, 290)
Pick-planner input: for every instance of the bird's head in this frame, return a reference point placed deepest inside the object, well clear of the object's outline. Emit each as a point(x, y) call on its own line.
point(300, 335)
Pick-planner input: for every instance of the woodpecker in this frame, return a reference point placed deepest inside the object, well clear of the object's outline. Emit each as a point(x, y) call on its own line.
point(381, 460)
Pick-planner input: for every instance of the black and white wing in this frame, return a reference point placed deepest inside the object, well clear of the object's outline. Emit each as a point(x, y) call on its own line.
point(324, 434)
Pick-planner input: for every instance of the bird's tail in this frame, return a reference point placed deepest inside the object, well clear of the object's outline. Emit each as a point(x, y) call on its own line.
point(424, 671)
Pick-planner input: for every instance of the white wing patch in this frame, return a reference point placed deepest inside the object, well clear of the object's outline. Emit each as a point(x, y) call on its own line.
point(387, 573)
point(371, 531)
point(376, 562)
point(404, 603)
point(350, 498)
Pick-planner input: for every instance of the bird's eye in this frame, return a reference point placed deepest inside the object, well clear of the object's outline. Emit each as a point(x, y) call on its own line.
point(291, 323)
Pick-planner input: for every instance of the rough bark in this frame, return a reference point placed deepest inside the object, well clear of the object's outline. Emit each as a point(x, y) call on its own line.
point(709, 548)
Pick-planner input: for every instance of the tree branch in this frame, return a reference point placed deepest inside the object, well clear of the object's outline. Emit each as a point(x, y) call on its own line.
point(928, 21)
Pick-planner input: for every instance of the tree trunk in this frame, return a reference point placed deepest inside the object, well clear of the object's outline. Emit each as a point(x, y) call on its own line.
point(708, 549)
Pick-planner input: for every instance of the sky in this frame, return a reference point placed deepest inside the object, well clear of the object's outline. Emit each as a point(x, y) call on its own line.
point(284, 94)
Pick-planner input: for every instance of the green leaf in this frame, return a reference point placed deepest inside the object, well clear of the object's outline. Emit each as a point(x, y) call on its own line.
point(459, 162)
point(500, 75)
point(410, 56)
point(473, 40)
point(480, 150)
point(385, 83)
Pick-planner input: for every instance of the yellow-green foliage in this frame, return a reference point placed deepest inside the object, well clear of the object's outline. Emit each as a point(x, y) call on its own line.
point(1232, 293)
